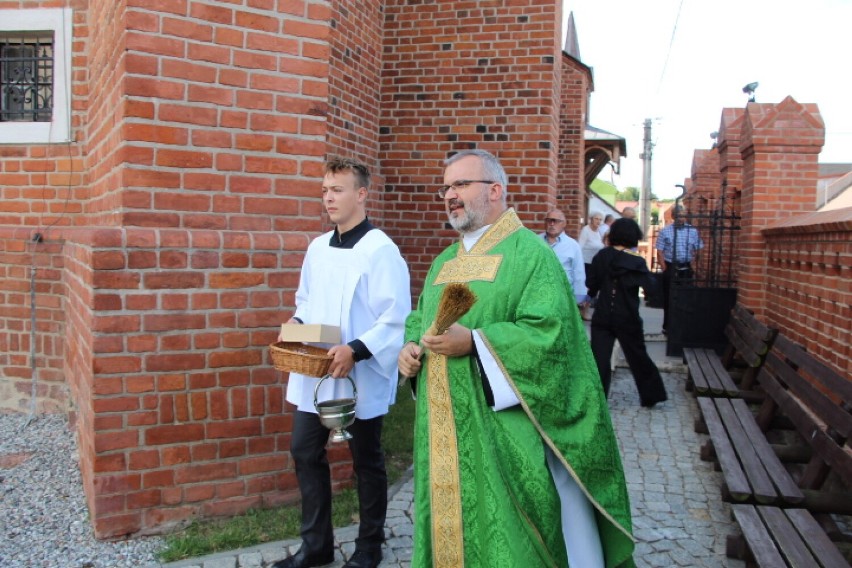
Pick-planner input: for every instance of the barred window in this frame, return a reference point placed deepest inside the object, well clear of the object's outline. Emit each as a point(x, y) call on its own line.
point(35, 75)
point(26, 78)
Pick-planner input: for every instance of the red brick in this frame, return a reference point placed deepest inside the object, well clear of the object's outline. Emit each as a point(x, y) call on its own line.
point(174, 435)
point(178, 362)
point(206, 472)
point(174, 280)
point(236, 280)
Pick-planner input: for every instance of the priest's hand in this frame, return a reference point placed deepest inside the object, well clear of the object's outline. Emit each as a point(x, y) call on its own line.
point(409, 360)
point(457, 341)
point(343, 359)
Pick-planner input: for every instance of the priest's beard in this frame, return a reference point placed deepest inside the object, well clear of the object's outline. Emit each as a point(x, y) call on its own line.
point(475, 212)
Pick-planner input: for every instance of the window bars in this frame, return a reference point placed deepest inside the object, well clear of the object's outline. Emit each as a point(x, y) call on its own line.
point(26, 78)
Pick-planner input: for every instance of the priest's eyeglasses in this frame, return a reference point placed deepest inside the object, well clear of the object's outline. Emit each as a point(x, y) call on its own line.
point(459, 185)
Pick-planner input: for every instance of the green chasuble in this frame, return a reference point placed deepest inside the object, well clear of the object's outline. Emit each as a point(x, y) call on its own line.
point(483, 491)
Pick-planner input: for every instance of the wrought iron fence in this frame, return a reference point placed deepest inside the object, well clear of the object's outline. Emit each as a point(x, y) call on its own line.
point(700, 302)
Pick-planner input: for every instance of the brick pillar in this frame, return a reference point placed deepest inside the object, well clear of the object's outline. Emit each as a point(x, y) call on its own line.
point(706, 179)
point(730, 159)
point(731, 168)
point(780, 146)
point(571, 189)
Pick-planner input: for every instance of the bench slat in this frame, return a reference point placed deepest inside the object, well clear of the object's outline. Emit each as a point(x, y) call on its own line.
point(759, 541)
point(821, 546)
point(696, 372)
point(789, 541)
point(747, 352)
point(726, 383)
point(828, 410)
point(762, 487)
point(758, 329)
point(806, 424)
point(734, 476)
point(834, 383)
point(781, 479)
point(713, 382)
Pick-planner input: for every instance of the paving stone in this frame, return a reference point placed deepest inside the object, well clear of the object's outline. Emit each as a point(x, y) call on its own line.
point(679, 518)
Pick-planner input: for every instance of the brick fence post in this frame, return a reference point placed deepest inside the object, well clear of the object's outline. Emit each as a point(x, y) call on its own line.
point(780, 146)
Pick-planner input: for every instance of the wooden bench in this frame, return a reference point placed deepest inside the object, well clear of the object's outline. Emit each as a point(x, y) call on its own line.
point(817, 402)
point(783, 537)
point(748, 343)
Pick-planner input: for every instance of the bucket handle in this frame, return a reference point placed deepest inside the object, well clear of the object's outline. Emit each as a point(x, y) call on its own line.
point(316, 389)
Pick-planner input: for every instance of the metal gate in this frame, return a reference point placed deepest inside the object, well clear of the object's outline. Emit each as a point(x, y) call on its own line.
point(700, 302)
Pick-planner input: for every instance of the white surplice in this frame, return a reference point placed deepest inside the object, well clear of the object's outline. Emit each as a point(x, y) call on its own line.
point(365, 290)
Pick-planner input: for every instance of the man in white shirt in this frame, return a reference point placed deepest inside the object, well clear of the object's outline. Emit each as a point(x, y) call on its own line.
point(352, 277)
point(568, 252)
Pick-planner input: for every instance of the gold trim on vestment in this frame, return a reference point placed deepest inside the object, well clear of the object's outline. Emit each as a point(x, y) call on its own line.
point(477, 264)
point(550, 443)
point(444, 475)
point(468, 268)
point(507, 224)
point(445, 487)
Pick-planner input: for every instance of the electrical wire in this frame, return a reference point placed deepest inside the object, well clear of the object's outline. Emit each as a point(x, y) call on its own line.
point(669, 52)
point(41, 231)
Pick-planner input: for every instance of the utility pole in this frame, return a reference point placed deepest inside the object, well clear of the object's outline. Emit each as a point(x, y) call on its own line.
point(645, 193)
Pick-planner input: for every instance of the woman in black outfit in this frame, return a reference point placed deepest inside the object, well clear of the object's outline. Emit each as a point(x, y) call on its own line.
point(615, 276)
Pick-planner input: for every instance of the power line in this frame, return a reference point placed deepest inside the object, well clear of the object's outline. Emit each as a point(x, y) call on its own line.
point(669, 52)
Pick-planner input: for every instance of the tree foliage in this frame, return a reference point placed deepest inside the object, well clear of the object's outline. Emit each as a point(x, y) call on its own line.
point(630, 194)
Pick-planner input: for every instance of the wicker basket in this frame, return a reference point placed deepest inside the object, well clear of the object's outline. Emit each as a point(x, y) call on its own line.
point(300, 358)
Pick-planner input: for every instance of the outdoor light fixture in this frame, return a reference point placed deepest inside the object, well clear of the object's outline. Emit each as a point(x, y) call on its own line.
point(749, 90)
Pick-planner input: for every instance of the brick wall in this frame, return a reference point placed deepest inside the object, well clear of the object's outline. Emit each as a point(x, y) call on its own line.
point(31, 271)
point(466, 75)
point(809, 283)
point(224, 115)
point(780, 145)
point(795, 264)
point(354, 91)
point(181, 413)
point(573, 113)
point(203, 140)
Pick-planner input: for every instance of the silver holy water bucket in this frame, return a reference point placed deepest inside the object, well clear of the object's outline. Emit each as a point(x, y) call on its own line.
point(338, 413)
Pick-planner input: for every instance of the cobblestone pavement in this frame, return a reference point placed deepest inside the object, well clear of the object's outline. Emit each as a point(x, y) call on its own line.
point(678, 516)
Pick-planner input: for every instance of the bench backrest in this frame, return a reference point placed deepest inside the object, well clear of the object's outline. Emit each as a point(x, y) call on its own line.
point(749, 339)
point(817, 400)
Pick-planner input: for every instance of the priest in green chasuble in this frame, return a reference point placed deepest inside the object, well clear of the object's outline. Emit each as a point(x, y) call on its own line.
point(516, 462)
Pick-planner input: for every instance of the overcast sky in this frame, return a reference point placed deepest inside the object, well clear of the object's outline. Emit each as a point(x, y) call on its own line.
point(680, 62)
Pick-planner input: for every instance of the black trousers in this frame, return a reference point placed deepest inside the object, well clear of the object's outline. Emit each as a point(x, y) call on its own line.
point(312, 471)
point(631, 337)
point(674, 271)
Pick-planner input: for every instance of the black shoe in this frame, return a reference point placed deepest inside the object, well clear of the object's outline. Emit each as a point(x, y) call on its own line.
point(650, 405)
point(302, 560)
point(364, 559)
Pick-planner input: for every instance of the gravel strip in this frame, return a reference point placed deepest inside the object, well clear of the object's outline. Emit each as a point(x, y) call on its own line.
point(44, 521)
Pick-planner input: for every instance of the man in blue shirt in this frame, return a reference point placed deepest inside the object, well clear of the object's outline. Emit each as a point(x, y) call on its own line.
point(677, 249)
point(568, 252)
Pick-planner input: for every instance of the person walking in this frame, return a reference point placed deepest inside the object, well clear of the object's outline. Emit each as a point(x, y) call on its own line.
point(353, 277)
point(616, 275)
point(516, 462)
point(591, 239)
point(568, 252)
point(678, 246)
